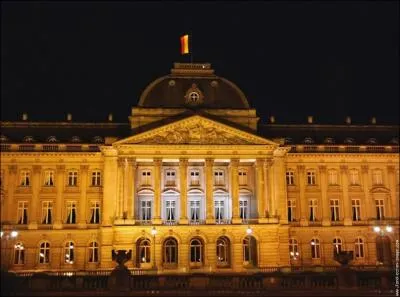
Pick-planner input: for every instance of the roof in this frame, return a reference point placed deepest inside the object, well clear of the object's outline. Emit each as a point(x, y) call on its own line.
point(171, 90)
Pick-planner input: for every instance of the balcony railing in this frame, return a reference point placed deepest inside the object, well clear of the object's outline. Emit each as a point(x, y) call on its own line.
point(197, 222)
point(170, 222)
point(144, 222)
point(223, 221)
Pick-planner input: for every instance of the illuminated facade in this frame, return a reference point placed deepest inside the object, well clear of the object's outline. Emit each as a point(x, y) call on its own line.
point(195, 183)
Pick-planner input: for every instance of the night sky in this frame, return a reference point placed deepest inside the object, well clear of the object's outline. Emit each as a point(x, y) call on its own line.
point(291, 59)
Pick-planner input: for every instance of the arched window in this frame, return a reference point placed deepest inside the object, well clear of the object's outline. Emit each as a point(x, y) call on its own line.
point(19, 253)
point(144, 250)
point(196, 251)
point(93, 252)
point(315, 248)
point(337, 245)
point(44, 253)
point(69, 254)
point(293, 249)
point(250, 251)
point(223, 248)
point(170, 252)
point(359, 248)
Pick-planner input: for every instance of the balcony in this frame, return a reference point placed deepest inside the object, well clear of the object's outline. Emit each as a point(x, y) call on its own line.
point(144, 222)
point(314, 223)
point(223, 221)
point(337, 223)
point(170, 222)
point(197, 222)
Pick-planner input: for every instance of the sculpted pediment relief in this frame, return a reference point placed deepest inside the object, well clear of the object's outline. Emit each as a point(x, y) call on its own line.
point(196, 130)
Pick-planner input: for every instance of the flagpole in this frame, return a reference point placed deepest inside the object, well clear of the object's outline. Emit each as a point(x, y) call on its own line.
point(191, 47)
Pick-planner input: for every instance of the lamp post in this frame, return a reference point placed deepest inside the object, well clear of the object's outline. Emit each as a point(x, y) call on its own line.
point(8, 236)
point(154, 232)
point(382, 231)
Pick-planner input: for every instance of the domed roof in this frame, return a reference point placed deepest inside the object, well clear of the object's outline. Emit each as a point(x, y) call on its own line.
point(193, 85)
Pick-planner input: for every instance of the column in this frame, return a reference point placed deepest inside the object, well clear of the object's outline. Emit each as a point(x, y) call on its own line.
point(11, 185)
point(267, 194)
point(324, 196)
point(120, 191)
point(60, 169)
point(82, 199)
point(303, 200)
point(235, 191)
point(259, 166)
point(209, 191)
point(280, 194)
point(131, 189)
point(183, 165)
point(110, 186)
point(394, 207)
point(35, 197)
point(367, 212)
point(157, 191)
point(346, 199)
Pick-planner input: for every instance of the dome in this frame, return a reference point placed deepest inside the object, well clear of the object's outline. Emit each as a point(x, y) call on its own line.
point(193, 85)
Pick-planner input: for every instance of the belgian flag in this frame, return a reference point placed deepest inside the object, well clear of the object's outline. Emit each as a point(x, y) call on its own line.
point(185, 44)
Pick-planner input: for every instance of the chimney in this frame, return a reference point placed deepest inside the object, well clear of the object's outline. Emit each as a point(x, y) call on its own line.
point(348, 120)
point(272, 119)
point(373, 120)
point(310, 119)
point(110, 117)
point(24, 116)
point(69, 117)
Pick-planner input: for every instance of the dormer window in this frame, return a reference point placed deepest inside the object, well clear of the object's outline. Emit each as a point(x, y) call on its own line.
point(394, 140)
point(98, 139)
point(194, 177)
point(3, 138)
point(28, 139)
point(329, 140)
point(288, 140)
point(349, 140)
point(52, 139)
point(372, 141)
point(308, 140)
point(75, 139)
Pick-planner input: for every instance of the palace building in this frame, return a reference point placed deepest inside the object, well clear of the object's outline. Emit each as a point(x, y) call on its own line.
point(194, 182)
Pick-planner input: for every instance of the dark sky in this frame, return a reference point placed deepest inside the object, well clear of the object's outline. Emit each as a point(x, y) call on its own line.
point(291, 59)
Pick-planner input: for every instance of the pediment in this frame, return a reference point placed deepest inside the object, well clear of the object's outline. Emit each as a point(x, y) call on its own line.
point(196, 130)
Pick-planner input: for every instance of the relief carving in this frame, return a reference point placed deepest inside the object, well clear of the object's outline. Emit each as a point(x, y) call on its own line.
point(197, 133)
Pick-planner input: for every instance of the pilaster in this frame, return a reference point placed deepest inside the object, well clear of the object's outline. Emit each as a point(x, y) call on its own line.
point(235, 191)
point(303, 200)
point(110, 186)
point(157, 191)
point(35, 197)
point(366, 185)
point(346, 200)
point(259, 168)
point(60, 169)
point(183, 165)
point(82, 199)
point(209, 191)
point(324, 196)
point(10, 203)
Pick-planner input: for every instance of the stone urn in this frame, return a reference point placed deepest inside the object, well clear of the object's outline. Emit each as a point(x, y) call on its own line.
point(120, 276)
point(345, 275)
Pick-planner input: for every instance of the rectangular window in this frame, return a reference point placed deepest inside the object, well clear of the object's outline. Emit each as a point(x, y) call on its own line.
point(195, 211)
point(243, 209)
point(194, 177)
point(22, 212)
point(356, 209)
point(292, 210)
point(289, 178)
point(95, 212)
point(170, 178)
point(146, 178)
point(47, 212)
point(242, 178)
point(354, 177)
point(313, 210)
point(25, 178)
point(334, 205)
point(170, 207)
point(377, 177)
point(219, 178)
point(49, 178)
point(380, 210)
point(332, 178)
point(71, 212)
point(72, 178)
point(311, 179)
point(96, 178)
point(219, 211)
point(145, 207)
